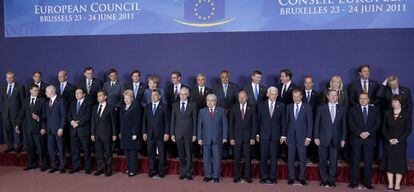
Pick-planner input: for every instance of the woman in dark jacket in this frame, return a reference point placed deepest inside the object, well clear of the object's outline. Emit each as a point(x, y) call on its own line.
point(130, 126)
point(395, 130)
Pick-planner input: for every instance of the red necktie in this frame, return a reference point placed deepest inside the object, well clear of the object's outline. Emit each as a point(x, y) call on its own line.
point(211, 114)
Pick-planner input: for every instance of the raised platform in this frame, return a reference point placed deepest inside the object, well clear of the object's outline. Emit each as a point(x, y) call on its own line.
point(119, 164)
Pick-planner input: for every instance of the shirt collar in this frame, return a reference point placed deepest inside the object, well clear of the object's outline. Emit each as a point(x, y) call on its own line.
point(136, 83)
point(211, 108)
point(81, 101)
point(362, 81)
point(288, 84)
point(12, 84)
point(53, 98)
point(300, 104)
point(186, 101)
point(32, 97)
point(332, 104)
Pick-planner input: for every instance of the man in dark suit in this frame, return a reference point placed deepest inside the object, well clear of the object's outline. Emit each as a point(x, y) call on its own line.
point(37, 80)
point(330, 135)
point(12, 96)
point(363, 85)
point(114, 89)
point(271, 121)
point(103, 133)
point(242, 133)
point(199, 93)
point(255, 90)
point(297, 135)
point(286, 86)
point(390, 87)
point(174, 88)
point(184, 131)
point(226, 93)
point(79, 117)
point(364, 122)
point(312, 98)
point(30, 123)
point(54, 120)
point(212, 132)
point(156, 131)
point(136, 86)
point(65, 89)
point(91, 84)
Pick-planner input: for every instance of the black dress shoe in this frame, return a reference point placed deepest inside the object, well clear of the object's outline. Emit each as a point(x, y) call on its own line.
point(352, 186)
point(189, 178)
point(88, 172)
point(43, 169)
point(206, 179)
point(98, 173)
point(236, 180)
point(303, 182)
point(323, 183)
point(332, 184)
point(249, 180)
point(108, 174)
point(272, 181)
point(29, 168)
point(161, 175)
point(131, 174)
point(62, 171)
point(263, 181)
point(291, 181)
point(73, 171)
point(151, 175)
point(126, 172)
point(182, 177)
point(216, 180)
point(53, 170)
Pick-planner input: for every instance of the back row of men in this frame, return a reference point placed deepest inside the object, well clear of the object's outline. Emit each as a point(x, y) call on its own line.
point(284, 113)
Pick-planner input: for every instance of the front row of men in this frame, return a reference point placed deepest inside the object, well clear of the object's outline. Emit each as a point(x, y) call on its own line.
point(270, 124)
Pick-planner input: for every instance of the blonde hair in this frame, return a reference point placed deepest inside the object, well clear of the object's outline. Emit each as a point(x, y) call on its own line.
point(338, 78)
point(129, 93)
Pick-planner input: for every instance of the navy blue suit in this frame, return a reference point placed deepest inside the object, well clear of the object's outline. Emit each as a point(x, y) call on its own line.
point(212, 131)
point(330, 135)
point(54, 118)
point(298, 130)
point(270, 130)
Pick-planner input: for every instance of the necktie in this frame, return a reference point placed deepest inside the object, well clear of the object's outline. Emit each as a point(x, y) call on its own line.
point(201, 92)
point(182, 107)
point(365, 114)
point(112, 84)
point(283, 90)
point(242, 112)
point(211, 114)
point(365, 88)
point(308, 96)
point(9, 91)
point(394, 92)
point(332, 112)
point(135, 90)
point(100, 110)
point(62, 87)
point(88, 86)
point(32, 103)
point(296, 112)
point(50, 103)
point(271, 109)
point(175, 91)
point(256, 92)
point(154, 107)
point(78, 107)
point(225, 91)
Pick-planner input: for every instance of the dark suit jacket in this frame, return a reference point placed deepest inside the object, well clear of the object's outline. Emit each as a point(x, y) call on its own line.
point(243, 130)
point(270, 128)
point(171, 99)
point(212, 131)
point(343, 98)
point(95, 87)
point(83, 116)
point(261, 97)
point(68, 93)
point(54, 117)
point(355, 88)
point(357, 125)
point(184, 125)
point(398, 129)
point(232, 91)
point(385, 93)
point(155, 126)
point(325, 130)
point(104, 127)
point(25, 121)
point(200, 100)
point(42, 89)
point(131, 124)
point(287, 98)
point(115, 97)
point(314, 101)
point(140, 92)
point(13, 104)
point(298, 130)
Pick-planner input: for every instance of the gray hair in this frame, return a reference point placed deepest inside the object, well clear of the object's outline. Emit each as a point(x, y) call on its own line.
point(211, 96)
point(185, 89)
point(201, 75)
point(272, 88)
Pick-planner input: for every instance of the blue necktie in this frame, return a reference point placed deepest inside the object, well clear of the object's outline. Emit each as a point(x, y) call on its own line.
point(153, 109)
point(256, 92)
point(78, 107)
point(61, 88)
point(365, 114)
point(9, 92)
point(296, 112)
point(135, 90)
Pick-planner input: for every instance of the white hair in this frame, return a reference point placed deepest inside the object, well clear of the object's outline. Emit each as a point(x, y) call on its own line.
point(211, 97)
point(272, 88)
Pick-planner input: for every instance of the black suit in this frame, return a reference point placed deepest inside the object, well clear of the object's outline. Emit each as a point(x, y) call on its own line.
point(12, 105)
point(42, 89)
point(261, 94)
point(314, 101)
point(385, 93)
point(140, 92)
point(103, 127)
point(184, 127)
point(357, 124)
point(95, 86)
point(286, 97)
point(80, 136)
point(155, 125)
point(226, 100)
point(242, 129)
point(68, 93)
point(171, 96)
point(356, 88)
point(31, 130)
point(198, 98)
point(330, 135)
point(270, 130)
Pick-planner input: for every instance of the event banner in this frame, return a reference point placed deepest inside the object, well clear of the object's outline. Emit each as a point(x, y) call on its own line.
point(113, 17)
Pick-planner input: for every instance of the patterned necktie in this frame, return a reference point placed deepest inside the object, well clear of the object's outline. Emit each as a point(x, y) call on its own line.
point(365, 88)
point(88, 86)
point(211, 114)
point(50, 103)
point(271, 109)
point(333, 113)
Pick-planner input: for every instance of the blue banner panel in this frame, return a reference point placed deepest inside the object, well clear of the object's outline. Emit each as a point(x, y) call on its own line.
point(112, 17)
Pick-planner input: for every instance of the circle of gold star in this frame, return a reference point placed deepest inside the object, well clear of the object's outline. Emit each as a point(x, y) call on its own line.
point(204, 17)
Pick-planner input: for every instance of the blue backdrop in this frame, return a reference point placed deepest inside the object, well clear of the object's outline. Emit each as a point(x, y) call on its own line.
point(318, 53)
